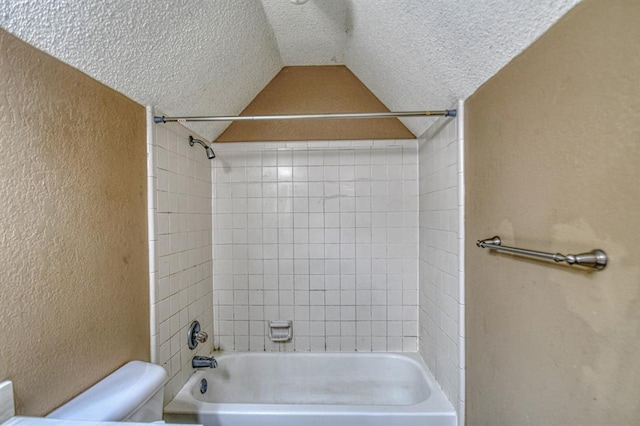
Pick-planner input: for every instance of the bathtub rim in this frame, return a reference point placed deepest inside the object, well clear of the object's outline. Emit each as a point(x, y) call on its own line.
point(436, 404)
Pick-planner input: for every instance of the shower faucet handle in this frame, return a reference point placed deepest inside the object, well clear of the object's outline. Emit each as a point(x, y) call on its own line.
point(201, 336)
point(195, 335)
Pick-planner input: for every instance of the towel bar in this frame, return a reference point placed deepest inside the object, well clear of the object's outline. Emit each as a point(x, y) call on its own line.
point(596, 259)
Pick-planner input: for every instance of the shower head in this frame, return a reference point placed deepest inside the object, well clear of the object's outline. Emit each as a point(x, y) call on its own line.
point(210, 154)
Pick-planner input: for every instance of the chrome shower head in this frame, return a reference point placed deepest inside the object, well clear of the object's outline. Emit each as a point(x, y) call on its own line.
point(210, 154)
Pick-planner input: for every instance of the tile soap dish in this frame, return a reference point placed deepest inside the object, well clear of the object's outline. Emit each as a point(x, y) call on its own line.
point(280, 331)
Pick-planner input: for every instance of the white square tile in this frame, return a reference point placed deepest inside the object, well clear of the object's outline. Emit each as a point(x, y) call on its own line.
point(360, 226)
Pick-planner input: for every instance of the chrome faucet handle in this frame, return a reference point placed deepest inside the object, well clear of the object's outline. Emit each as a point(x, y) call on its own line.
point(201, 336)
point(195, 335)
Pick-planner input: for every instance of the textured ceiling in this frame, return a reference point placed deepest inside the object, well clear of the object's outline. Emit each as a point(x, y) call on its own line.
point(415, 54)
point(313, 33)
point(211, 57)
point(186, 57)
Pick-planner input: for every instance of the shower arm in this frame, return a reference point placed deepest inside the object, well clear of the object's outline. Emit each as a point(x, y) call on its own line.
point(210, 154)
point(192, 140)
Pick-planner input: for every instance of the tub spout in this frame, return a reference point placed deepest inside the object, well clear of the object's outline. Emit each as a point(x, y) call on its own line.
point(204, 361)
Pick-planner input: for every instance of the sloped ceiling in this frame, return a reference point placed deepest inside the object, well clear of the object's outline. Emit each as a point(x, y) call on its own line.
point(415, 54)
point(195, 57)
point(313, 33)
point(185, 57)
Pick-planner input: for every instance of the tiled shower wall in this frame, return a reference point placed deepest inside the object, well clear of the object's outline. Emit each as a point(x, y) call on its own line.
point(441, 257)
point(180, 233)
point(320, 233)
point(323, 234)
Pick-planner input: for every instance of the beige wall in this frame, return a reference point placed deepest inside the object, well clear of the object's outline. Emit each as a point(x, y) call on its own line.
point(553, 163)
point(73, 251)
point(313, 90)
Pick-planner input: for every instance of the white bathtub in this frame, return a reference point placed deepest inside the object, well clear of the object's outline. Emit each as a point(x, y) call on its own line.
point(314, 389)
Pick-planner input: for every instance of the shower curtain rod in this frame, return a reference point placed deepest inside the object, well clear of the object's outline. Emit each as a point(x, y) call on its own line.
point(443, 113)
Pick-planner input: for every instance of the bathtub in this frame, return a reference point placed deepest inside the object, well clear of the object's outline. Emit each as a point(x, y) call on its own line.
point(313, 389)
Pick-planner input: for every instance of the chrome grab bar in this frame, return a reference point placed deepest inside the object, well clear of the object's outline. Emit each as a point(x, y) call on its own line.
point(596, 259)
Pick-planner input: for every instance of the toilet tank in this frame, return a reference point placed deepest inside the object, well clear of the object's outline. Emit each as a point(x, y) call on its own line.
point(133, 393)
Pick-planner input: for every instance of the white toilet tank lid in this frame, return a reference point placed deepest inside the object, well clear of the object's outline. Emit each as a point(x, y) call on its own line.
point(117, 395)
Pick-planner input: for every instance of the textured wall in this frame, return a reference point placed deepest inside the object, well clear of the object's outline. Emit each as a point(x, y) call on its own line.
point(73, 249)
point(441, 280)
point(313, 90)
point(553, 147)
point(185, 57)
point(321, 233)
point(182, 279)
